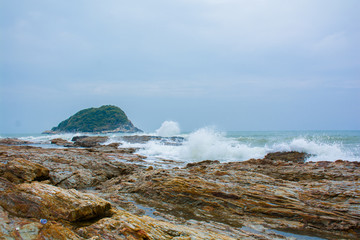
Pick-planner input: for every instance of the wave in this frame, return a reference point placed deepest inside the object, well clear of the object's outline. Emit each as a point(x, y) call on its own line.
point(168, 129)
point(319, 151)
point(210, 144)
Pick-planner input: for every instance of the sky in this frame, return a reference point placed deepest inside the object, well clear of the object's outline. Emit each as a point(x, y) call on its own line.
point(233, 64)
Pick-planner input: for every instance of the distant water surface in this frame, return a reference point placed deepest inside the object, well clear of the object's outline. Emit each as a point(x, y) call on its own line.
point(210, 144)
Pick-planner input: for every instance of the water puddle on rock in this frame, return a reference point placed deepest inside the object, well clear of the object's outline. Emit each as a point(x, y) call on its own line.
point(148, 211)
point(289, 233)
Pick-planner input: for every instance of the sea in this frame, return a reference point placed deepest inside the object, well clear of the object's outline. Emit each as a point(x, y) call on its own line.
point(176, 148)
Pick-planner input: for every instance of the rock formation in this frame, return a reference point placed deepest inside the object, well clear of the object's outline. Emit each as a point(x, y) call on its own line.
point(103, 192)
point(105, 119)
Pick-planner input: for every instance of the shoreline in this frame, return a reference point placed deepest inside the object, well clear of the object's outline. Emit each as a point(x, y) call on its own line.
point(266, 198)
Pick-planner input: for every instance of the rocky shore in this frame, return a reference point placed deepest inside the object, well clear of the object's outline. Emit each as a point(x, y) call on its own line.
point(87, 190)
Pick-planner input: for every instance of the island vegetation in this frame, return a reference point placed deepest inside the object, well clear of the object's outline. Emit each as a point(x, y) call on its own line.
point(104, 119)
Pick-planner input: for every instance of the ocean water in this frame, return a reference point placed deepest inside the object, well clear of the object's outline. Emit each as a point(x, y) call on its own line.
point(210, 144)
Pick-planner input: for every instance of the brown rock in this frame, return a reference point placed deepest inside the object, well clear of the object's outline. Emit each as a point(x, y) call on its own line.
point(241, 200)
point(296, 157)
point(38, 200)
point(85, 141)
point(61, 142)
point(13, 141)
point(146, 138)
point(202, 163)
point(139, 138)
point(20, 170)
point(245, 193)
point(12, 227)
point(123, 225)
point(72, 167)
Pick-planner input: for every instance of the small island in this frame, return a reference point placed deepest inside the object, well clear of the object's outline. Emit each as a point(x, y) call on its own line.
point(105, 119)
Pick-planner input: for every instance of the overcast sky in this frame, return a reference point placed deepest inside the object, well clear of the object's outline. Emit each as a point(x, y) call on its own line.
point(235, 64)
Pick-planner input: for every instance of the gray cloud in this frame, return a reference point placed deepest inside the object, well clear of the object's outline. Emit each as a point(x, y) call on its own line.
point(249, 56)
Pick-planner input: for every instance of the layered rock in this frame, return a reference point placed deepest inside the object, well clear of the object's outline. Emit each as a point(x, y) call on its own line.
point(124, 225)
point(255, 199)
point(280, 194)
point(87, 141)
point(39, 200)
point(147, 138)
point(13, 141)
point(69, 168)
point(61, 142)
point(19, 170)
point(12, 227)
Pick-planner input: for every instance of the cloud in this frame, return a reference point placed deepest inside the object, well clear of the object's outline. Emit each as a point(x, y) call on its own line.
point(236, 51)
point(171, 89)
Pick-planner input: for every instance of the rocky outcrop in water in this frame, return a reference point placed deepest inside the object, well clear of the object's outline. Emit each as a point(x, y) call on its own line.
point(103, 192)
point(105, 119)
point(13, 141)
point(86, 141)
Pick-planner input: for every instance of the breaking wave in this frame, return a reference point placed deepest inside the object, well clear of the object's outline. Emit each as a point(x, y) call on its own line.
point(210, 144)
point(168, 129)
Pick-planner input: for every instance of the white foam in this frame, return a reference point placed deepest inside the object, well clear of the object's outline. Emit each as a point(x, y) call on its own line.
point(46, 138)
point(168, 129)
point(320, 151)
point(209, 144)
point(203, 144)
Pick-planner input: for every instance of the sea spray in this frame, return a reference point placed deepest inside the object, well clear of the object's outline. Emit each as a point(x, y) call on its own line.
point(168, 129)
point(318, 150)
point(209, 144)
point(203, 144)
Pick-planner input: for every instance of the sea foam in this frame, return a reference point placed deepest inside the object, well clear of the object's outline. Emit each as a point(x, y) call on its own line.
point(209, 144)
point(168, 129)
point(319, 151)
point(203, 144)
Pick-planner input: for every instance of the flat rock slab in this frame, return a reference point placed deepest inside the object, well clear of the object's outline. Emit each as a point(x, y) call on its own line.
point(89, 141)
point(20, 170)
point(39, 200)
point(14, 228)
point(124, 225)
point(13, 141)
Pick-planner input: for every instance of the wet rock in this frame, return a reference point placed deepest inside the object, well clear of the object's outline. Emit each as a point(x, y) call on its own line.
point(13, 141)
point(89, 170)
point(303, 172)
point(202, 163)
point(12, 227)
point(77, 138)
point(234, 193)
point(113, 149)
point(146, 138)
point(293, 156)
point(61, 142)
point(114, 145)
point(123, 225)
point(38, 200)
point(86, 141)
point(127, 150)
point(72, 167)
point(240, 200)
point(19, 170)
point(139, 138)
